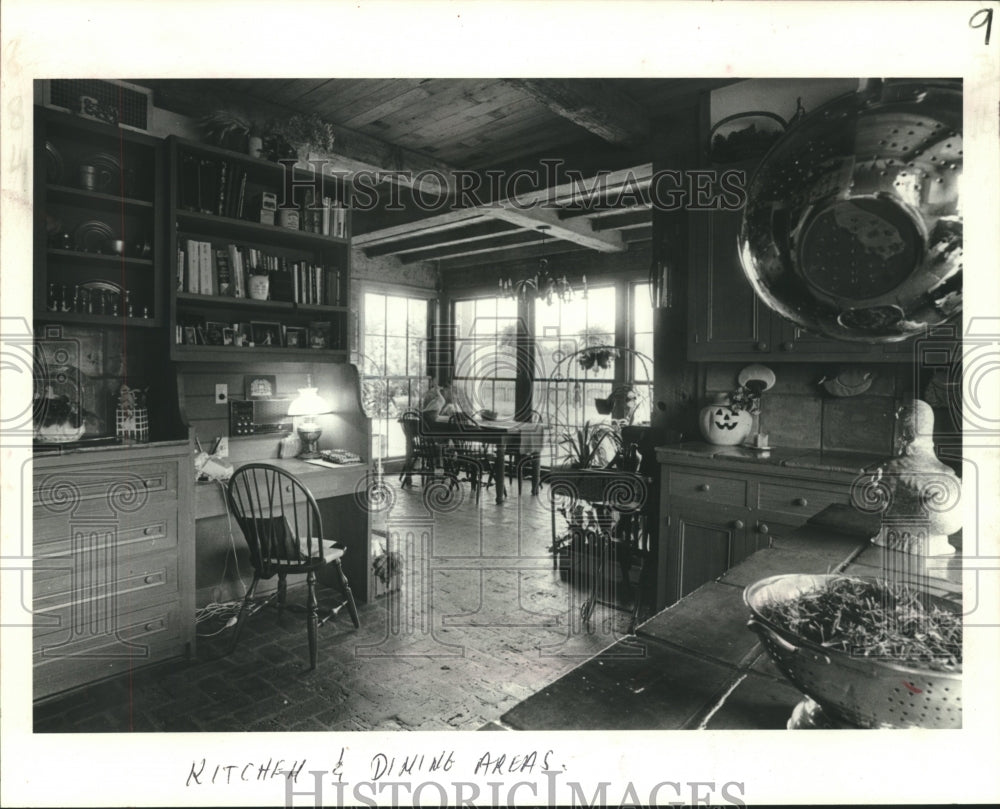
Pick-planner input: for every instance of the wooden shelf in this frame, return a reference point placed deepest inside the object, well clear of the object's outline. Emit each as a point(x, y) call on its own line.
point(99, 320)
point(94, 199)
point(216, 301)
point(227, 227)
point(98, 259)
point(254, 354)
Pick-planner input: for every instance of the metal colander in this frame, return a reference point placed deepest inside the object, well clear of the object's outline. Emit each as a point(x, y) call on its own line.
point(866, 692)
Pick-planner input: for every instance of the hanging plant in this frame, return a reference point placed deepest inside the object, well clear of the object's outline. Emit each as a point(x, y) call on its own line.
point(601, 356)
point(287, 136)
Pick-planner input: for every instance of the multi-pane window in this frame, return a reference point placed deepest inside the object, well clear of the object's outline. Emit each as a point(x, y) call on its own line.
point(565, 392)
point(486, 339)
point(641, 328)
point(393, 362)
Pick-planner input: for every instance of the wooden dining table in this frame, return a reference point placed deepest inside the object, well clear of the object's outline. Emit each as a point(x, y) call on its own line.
point(504, 434)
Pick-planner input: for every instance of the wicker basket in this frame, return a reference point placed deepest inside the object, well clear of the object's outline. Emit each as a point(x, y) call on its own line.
point(866, 692)
point(132, 424)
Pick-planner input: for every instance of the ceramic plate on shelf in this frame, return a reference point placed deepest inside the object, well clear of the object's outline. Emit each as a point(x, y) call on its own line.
point(93, 236)
point(53, 164)
point(102, 286)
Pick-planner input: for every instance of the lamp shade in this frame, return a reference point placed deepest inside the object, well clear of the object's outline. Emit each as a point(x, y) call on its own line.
point(308, 403)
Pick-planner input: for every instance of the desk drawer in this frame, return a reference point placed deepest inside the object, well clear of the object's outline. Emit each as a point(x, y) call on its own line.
point(95, 490)
point(151, 529)
point(90, 593)
point(144, 636)
point(797, 500)
point(707, 487)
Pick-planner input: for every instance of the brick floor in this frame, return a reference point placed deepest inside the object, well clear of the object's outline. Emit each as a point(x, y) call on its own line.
point(501, 625)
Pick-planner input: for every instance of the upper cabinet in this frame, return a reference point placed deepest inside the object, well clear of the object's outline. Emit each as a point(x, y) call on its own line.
point(260, 258)
point(98, 229)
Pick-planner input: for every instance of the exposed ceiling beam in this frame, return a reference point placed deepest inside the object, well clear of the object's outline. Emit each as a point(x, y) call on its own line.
point(574, 231)
point(420, 244)
point(505, 241)
point(353, 151)
point(625, 219)
point(592, 105)
point(420, 227)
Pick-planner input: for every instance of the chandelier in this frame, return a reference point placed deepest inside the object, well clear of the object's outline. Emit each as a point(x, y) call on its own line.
point(543, 285)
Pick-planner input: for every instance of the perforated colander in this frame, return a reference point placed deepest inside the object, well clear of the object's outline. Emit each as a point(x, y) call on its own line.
point(867, 692)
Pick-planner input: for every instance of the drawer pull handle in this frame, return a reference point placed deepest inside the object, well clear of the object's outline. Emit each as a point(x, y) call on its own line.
point(151, 578)
point(703, 487)
point(738, 525)
point(787, 346)
point(763, 528)
point(153, 625)
point(800, 501)
point(152, 529)
point(761, 346)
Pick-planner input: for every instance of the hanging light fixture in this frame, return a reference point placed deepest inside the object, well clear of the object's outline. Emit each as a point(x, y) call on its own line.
point(543, 286)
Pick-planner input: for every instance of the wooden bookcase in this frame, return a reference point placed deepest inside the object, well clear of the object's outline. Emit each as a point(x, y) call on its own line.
point(81, 277)
point(216, 198)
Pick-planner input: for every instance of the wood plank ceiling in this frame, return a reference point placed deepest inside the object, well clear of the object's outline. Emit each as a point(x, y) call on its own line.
point(464, 130)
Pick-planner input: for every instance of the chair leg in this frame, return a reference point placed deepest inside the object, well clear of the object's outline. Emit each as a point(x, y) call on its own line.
point(282, 593)
point(247, 599)
point(345, 588)
point(312, 617)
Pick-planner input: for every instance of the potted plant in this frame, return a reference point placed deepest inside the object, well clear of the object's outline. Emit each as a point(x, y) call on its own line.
point(232, 129)
point(298, 135)
point(387, 570)
point(728, 420)
point(590, 446)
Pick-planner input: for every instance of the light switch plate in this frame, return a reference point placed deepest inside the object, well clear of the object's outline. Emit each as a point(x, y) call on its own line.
point(221, 394)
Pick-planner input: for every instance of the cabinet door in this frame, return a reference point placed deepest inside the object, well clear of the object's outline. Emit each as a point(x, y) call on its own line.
point(791, 340)
point(703, 543)
point(726, 319)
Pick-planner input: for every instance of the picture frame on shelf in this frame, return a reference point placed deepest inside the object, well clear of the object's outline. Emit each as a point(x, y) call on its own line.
point(260, 386)
point(190, 336)
point(265, 334)
point(228, 336)
point(214, 333)
point(295, 337)
point(320, 335)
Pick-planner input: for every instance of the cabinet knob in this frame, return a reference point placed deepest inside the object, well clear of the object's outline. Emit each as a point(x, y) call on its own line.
point(703, 487)
point(763, 528)
point(149, 579)
point(738, 524)
point(800, 501)
point(150, 529)
point(788, 345)
point(761, 346)
point(153, 625)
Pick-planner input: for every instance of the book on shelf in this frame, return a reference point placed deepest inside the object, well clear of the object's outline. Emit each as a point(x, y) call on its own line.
point(205, 268)
point(193, 269)
point(223, 275)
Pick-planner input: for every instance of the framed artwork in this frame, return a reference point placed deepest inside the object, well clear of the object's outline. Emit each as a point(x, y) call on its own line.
point(214, 333)
point(228, 336)
point(260, 386)
point(190, 336)
point(295, 337)
point(320, 335)
point(265, 334)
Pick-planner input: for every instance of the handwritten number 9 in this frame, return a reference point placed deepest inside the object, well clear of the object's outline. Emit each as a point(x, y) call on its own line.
point(985, 18)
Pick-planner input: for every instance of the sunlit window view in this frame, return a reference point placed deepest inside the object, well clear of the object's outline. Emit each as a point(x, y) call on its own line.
point(485, 368)
point(393, 363)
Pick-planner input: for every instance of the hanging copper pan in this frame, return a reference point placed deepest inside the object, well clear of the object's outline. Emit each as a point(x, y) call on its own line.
point(853, 221)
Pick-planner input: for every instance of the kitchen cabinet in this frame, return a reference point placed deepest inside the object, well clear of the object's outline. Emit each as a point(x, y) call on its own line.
point(113, 562)
point(717, 510)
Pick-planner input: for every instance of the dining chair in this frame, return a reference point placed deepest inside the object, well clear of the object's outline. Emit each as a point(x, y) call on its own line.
point(423, 453)
point(281, 523)
point(464, 455)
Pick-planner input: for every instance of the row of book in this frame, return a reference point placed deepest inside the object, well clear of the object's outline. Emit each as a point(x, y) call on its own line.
point(220, 187)
point(205, 269)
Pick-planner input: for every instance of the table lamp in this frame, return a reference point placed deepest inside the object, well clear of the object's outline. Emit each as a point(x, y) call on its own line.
point(306, 406)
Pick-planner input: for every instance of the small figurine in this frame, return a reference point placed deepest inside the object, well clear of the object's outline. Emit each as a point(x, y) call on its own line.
point(923, 495)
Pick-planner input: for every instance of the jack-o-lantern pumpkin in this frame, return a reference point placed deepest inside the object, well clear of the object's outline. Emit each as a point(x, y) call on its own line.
point(723, 424)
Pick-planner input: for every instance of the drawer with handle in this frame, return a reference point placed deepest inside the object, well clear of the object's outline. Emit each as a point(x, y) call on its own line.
point(150, 529)
point(95, 590)
point(95, 490)
point(794, 499)
point(707, 487)
point(143, 636)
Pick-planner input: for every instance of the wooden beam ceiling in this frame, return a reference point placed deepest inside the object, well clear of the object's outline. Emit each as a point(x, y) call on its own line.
point(593, 105)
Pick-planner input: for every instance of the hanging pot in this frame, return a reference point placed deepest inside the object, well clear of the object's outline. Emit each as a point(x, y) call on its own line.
point(853, 221)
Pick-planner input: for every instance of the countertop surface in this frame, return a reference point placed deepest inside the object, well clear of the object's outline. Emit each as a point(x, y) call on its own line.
point(696, 665)
point(791, 457)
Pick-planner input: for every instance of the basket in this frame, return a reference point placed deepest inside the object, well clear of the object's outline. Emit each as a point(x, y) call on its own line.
point(132, 424)
point(866, 692)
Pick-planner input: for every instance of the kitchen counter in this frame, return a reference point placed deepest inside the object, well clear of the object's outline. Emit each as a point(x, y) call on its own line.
point(696, 665)
point(789, 457)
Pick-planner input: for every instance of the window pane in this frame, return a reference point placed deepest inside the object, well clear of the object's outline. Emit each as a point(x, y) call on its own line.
point(374, 314)
point(395, 356)
point(642, 309)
